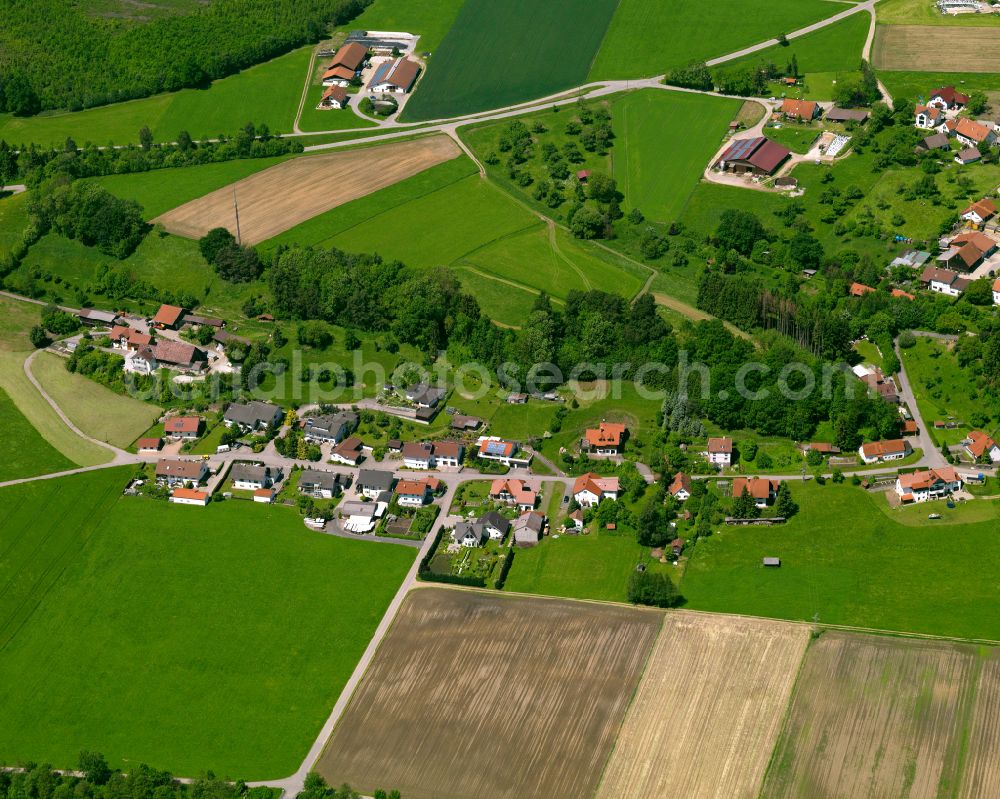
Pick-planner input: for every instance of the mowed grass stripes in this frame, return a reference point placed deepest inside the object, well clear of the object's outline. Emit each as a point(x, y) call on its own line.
point(504, 52)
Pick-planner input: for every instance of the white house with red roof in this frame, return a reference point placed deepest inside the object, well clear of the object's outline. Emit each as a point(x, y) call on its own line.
point(605, 439)
point(948, 99)
point(979, 444)
point(412, 493)
point(590, 489)
point(928, 484)
point(762, 490)
point(182, 426)
point(511, 491)
point(494, 448)
point(996, 291)
point(881, 451)
point(680, 487)
point(928, 117)
point(720, 451)
point(980, 212)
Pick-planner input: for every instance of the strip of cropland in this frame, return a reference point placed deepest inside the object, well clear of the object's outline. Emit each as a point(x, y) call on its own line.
point(650, 37)
point(875, 716)
point(503, 52)
point(548, 680)
point(936, 49)
point(187, 638)
point(708, 710)
point(278, 198)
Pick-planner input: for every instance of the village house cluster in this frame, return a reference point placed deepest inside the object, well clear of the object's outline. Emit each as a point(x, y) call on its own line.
point(372, 63)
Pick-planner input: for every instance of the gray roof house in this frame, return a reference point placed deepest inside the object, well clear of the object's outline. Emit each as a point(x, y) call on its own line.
point(425, 396)
point(469, 534)
point(374, 481)
point(528, 529)
point(495, 524)
point(249, 475)
point(253, 415)
point(334, 427)
point(316, 482)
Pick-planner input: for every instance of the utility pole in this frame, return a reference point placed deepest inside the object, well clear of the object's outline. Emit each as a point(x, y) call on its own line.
point(236, 206)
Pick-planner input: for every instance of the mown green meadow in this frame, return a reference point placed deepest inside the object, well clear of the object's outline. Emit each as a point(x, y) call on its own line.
point(183, 637)
point(98, 411)
point(23, 452)
point(267, 93)
point(657, 162)
point(16, 319)
point(846, 558)
point(649, 37)
point(499, 54)
point(836, 48)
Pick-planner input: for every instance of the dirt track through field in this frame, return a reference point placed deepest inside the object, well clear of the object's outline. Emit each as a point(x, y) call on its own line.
point(484, 696)
point(920, 48)
point(272, 201)
point(875, 716)
point(708, 710)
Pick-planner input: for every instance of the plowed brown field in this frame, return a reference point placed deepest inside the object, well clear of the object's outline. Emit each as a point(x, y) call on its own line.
point(875, 716)
point(708, 710)
point(484, 696)
point(281, 197)
point(918, 48)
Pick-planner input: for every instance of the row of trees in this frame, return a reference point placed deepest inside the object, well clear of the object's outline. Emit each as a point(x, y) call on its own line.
point(100, 61)
point(100, 781)
point(32, 164)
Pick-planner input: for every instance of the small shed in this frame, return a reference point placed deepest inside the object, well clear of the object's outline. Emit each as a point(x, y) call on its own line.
point(583, 175)
point(772, 562)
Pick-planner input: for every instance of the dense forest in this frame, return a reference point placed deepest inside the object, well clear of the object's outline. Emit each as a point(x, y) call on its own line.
point(53, 54)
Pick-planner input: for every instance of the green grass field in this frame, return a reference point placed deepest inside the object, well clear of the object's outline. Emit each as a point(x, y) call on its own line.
point(594, 566)
point(16, 319)
point(496, 245)
point(13, 221)
point(96, 410)
point(846, 559)
point(165, 261)
point(166, 640)
point(797, 138)
point(499, 54)
point(320, 228)
point(23, 452)
point(942, 388)
point(657, 162)
point(649, 37)
point(836, 48)
point(267, 93)
point(923, 12)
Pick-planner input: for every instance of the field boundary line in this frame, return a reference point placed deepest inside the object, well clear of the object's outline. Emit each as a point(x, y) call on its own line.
point(785, 715)
point(631, 702)
point(506, 281)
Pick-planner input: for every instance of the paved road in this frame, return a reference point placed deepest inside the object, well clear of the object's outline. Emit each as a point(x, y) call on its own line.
point(932, 456)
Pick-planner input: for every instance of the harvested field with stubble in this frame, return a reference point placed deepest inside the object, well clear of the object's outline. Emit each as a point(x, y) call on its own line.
point(276, 199)
point(957, 49)
point(490, 696)
point(982, 762)
point(708, 710)
point(875, 716)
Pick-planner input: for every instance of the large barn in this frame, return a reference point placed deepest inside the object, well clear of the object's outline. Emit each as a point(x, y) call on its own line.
point(758, 156)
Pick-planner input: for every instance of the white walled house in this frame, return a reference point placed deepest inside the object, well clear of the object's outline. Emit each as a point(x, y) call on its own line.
point(929, 484)
point(720, 451)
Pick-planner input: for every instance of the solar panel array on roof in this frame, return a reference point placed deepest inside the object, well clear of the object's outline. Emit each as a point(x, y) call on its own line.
point(742, 148)
point(380, 73)
point(496, 447)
